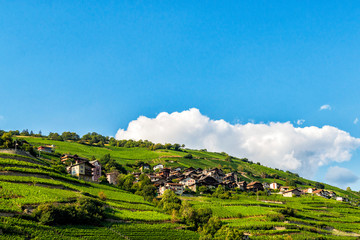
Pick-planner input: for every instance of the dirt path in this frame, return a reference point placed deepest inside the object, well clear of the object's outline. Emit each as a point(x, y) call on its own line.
point(344, 234)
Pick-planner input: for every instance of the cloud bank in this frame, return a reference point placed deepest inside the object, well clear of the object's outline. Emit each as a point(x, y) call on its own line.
point(277, 145)
point(340, 176)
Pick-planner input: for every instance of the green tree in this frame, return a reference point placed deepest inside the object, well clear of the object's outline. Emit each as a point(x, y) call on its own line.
point(210, 228)
point(7, 140)
point(170, 201)
point(228, 233)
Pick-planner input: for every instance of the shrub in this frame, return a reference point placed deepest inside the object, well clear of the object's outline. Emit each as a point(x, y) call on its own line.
point(188, 156)
point(102, 195)
point(84, 211)
point(289, 212)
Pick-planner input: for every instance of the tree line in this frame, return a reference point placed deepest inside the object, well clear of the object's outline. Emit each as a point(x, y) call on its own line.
point(96, 139)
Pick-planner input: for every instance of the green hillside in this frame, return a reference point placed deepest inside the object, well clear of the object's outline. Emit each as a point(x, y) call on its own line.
point(27, 183)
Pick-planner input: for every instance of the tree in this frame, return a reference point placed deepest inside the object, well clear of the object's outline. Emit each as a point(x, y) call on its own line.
point(7, 140)
point(348, 189)
point(194, 217)
point(70, 136)
point(25, 132)
point(176, 147)
point(228, 233)
point(319, 185)
point(170, 201)
point(210, 228)
point(202, 189)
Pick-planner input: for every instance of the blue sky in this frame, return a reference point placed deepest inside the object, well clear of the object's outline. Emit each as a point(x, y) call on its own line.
point(95, 65)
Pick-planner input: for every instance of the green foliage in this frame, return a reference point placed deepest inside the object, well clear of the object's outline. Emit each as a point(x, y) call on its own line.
point(70, 136)
point(289, 212)
point(194, 217)
point(210, 228)
point(169, 201)
point(108, 164)
point(145, 188)
point(221, 193)
point(228, 233)
point(55, 136)
point(188, 156)
point(319, 185)
point(84, 211)
point(6, 141)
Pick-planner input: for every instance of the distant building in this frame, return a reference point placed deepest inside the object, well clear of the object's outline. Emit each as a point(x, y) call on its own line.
point(72, 159)
point(188, 181)
point(96, 170)
point(208, 181)
point(321, 193)
point(274, 186)
point(145, 167)
point(81, 170)
point(332, 194)
point(242, 185)
point(255, 186)
point(112, 177)
point(47, 149)
point(158, 166)
point(266, 185)
point(284, 188)
point(177, 188)
point(310, 190)
point(342, 199)
point(292, 193)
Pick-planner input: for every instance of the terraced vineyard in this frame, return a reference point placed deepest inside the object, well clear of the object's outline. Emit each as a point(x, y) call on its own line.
point(26, 182)
point(21, 191)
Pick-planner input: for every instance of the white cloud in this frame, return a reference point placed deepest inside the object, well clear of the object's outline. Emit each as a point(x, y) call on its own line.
point(300, 122)
point(340, 176)
point(325, 107)
point(356, 120)
point(276, 144)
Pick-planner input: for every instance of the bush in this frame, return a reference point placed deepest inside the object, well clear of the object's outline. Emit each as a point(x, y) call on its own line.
point(289, 212)
point(228, 233)
point(188, 156)
point(102, 195)
point(84, 211)
point(210, 228)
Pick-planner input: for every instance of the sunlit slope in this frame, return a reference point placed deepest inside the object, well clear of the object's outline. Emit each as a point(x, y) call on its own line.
point(201, 159)
point(25, 183)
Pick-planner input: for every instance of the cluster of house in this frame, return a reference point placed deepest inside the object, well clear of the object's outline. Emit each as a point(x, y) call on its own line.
point(177, 179)
point(82, 168)
point(288, 192)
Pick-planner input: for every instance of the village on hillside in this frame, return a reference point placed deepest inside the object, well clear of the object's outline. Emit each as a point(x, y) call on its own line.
point(184, 180)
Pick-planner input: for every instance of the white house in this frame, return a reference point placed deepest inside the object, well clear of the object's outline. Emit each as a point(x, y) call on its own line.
point(342, 199)
point(310, 190)
point(177, 188)
point(158, 166)
point(274, 185)
point(188, 181)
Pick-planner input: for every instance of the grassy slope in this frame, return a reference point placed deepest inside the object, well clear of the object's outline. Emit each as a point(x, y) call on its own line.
point(314, 214)
point(202, 160)
point(19, 193)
